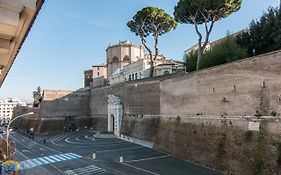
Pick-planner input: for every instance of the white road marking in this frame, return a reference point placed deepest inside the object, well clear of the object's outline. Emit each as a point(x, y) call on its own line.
point(150, 158)
point(121, 149)
point(91, 169)
point(30, 163)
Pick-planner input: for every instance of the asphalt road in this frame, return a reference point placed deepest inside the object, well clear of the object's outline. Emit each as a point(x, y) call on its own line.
point(72, 154)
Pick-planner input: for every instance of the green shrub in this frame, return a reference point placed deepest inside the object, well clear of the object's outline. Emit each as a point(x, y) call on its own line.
point(226, 51)
point(190, 61)
point(273, 113)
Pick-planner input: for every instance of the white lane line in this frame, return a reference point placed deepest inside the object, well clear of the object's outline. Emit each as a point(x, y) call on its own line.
point(121, 149)
point(59, 157)
point(73, 156)
point(36, 143)
point(49, 159)
point(16, 140)
point(70, 172)
point(151, 158)
point(43, 160)
point(27, 164)
point(67, 157)
point(55, 158)
point(76, 155)
point(87, 170)
point(37, 162)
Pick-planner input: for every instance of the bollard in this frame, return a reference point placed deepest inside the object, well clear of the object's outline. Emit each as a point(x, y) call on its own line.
point(121, 159)
point(94, 156)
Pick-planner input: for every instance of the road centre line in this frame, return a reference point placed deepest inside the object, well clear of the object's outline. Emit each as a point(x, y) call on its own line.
point(150, 158)
point(121, 149)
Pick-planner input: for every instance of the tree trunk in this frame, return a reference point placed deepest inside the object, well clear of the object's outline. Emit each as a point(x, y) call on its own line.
point(199, 56)
point(151, 72)
point(150, 56)
point(199, 52)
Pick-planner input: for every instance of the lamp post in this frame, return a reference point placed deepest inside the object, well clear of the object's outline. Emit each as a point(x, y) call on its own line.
point(8, 130)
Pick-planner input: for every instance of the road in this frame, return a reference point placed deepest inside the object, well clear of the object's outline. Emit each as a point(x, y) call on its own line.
point(72, 154)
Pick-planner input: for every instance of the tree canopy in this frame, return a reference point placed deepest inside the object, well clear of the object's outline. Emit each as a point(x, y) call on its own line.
point(205, 12)
point(263, 35)
point(202, 11)
point(37, 96)
point(151, 21)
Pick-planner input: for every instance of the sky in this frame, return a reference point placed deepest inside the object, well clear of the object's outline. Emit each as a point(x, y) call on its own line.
point(69, 36)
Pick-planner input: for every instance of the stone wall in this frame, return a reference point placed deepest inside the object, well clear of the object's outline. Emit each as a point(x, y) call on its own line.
point(231, 89)
point(204, 116)
point(50, 116)
point(138, 98)
point(71, 105)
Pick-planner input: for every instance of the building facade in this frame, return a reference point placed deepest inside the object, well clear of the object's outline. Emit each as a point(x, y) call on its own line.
point(16, 20)
point(88, 77)
point(96, 76)
point(7, 107)
point(125, 62)
point(119, 55)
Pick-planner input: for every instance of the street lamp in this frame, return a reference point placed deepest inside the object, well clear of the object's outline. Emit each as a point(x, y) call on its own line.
point(8, 130)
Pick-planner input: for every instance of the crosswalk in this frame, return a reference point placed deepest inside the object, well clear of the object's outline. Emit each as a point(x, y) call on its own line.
point(87, 170)
point(31, 163)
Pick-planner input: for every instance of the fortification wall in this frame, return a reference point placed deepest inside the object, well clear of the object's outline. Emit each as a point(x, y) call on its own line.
point(138, 98)
point(70, 105)
point(230, 89)
point(204, 116)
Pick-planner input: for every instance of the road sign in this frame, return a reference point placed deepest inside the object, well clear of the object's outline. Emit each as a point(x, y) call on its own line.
point(9, 167)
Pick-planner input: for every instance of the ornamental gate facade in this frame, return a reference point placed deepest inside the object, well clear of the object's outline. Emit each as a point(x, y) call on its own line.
point(115, 114)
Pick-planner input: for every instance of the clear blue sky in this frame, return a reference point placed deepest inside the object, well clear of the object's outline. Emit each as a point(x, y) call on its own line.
point(70, 36)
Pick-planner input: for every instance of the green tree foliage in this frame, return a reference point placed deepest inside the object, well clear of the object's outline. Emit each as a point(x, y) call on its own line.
point(205, 12)
point(263, 35)
point(226, 51)
point(37, 97)
point(190, 61)
point(151, 21)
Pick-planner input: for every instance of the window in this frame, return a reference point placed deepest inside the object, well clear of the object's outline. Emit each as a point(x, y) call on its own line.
point(126, 58)
point(98, 68)
point(133, 76)
point(136, 76)
point(98, 74)
point(130, 77)
point(166, 72)
point(115, 59)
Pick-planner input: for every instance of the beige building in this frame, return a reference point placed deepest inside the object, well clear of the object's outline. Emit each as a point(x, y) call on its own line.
point(96, 76)
point(126, 62)
point(119, 55)
point(141, 68)
point(16, 19)
point(99, 71)
point(169, 67)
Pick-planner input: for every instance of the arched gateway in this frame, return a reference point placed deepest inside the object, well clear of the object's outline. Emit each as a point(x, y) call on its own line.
point(115, 114)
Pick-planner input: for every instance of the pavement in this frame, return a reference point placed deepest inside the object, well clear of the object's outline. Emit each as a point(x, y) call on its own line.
point(72, 154)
